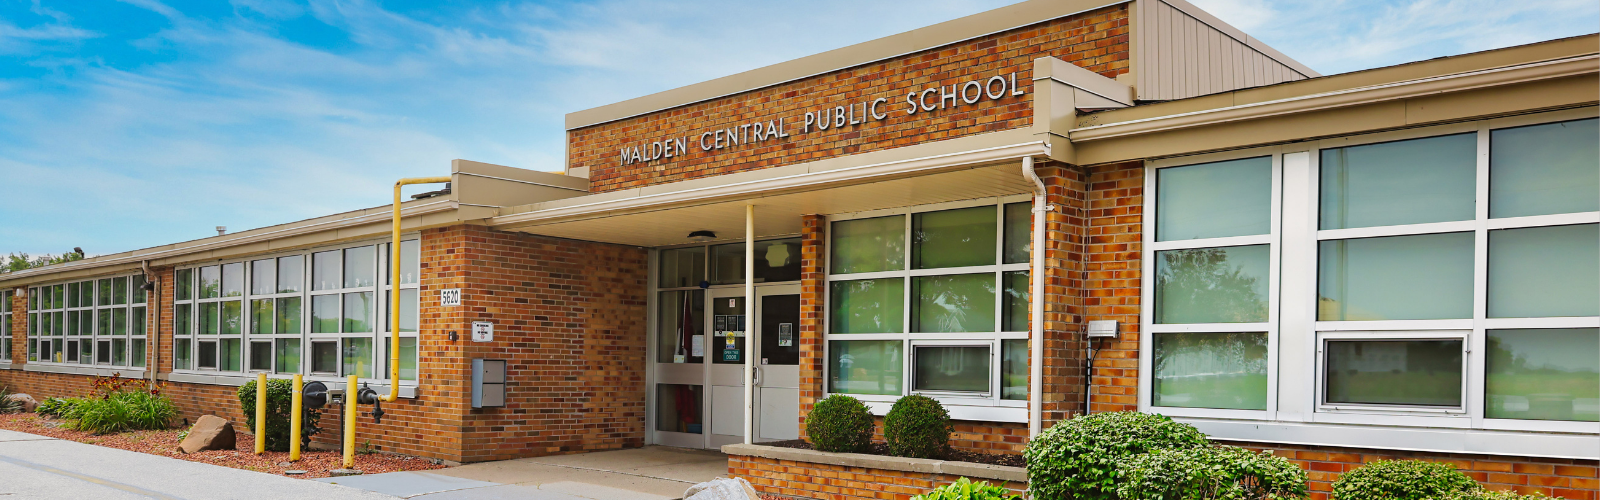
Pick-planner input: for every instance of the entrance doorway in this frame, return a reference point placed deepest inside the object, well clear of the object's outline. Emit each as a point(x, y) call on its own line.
point(700, 394)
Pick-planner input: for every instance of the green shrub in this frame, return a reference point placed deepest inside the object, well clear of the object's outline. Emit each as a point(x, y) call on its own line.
point(122, 411)
point(8, 405)
point(280, 402)
point(839, 423)
point(1492, 495)
point(965, 489)
point(58, 407)
point(1402, 480)
point(1212, 472)
point(917, 427)
point(1077, 459)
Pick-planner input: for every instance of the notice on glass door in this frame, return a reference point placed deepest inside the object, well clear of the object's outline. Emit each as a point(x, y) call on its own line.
point(697, 346)
point(785, 334)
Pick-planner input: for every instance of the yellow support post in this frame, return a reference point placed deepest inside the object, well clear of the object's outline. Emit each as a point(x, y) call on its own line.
point(294, 419)
point(261, 413)
point(394, 286)
point(350, 423)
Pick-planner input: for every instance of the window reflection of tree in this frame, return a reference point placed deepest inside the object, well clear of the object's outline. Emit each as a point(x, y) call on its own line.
point(1201, 283)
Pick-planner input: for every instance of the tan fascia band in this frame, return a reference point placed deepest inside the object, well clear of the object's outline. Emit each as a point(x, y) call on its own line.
point(1544, 70)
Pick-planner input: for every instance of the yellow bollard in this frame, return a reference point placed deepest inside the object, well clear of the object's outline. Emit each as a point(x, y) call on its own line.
point(350, 423)
point(294, 420)
point(261, 413)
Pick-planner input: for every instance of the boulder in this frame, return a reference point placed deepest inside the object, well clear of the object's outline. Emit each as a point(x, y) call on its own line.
point(28, 403)
point(722, 488)
point(209, 433)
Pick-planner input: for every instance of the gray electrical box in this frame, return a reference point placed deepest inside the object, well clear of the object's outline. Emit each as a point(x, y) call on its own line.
point(488, 383)
point(1102, 329)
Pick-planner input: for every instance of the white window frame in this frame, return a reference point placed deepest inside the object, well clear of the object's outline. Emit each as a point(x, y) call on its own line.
point(1323, 406)
point(1296, 412)
point(1147, 285)
point(379, 333)
point(962, 405)
point(95, 336)
point(6, 324)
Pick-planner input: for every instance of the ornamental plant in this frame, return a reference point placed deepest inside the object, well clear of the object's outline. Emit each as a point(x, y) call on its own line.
point(918, 427)
point(1210, 473)
point(1492, 495)
point(123, 411)
point(1403, 480)
point(839, 423)
point(279, 405)
point(965, 489)
point(1077, 459)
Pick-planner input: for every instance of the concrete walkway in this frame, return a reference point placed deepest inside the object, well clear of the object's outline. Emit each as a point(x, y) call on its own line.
point(650, 473)
point(36, 466)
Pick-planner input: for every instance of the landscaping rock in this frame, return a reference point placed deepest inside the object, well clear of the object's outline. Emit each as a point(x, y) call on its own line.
point(209, 433)
point(28, 403)
point(343, 472)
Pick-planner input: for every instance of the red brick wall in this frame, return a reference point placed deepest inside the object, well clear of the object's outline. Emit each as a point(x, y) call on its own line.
point(1572, 479)
point(1096, 40)
point(813, 280)
point(789, 479)
point(1112, 279)
point(569, 317)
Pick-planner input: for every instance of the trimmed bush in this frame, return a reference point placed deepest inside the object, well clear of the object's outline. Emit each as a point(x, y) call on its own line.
point(917, 427)
point(965, 489)
point(122, 411)
point(1403, 480)
point(839, 423)
point(280, 402)
point(1077, 459)
point(1492, 495)
point(1213, 472)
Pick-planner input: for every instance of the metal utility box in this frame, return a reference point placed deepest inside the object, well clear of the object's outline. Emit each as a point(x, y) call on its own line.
point(488, 383)
point(1102, 329)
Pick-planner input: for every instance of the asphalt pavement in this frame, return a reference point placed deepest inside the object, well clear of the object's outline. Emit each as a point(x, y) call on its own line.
point(33, 466)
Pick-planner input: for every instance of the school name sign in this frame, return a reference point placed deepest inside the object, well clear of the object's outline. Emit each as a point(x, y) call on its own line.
point(826, 118)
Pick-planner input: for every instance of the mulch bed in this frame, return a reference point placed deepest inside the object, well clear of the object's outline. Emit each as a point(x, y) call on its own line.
point(1007, 460)
point(165, 443)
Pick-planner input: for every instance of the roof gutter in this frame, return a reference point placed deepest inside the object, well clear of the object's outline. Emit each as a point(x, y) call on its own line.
point(1543, 70)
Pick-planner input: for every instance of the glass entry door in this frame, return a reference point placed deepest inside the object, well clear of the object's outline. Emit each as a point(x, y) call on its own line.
point(700, 386)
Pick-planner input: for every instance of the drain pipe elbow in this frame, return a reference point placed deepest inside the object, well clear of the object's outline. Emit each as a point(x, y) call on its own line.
point(1036, 303)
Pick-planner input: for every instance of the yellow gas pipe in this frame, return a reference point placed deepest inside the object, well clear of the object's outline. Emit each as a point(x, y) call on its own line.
point(261, 413)
point(394, 289)
point(294, 419)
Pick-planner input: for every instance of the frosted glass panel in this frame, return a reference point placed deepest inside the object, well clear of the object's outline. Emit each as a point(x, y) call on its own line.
point(1019, 232)
point(681, 316)
point(1210, 370)
point(1213, 200)
point(868, 245)
point(956, 303)
point(1394, 372)
point(1212, 285)
point(1544, 271)
point(953, 238)
point(867, 306)
point(1014, 369)
point(1398, 277)
point(952, 368)
point(864, 366)
point(1544, 169)
point(1405, 182)
point(1544, 374)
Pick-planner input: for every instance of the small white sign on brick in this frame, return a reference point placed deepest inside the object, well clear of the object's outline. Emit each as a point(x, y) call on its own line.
point(482, 331)
point(450, 297)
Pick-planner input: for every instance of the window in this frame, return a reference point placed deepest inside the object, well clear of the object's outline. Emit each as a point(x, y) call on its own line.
point(1214, 284)
point(5, 325)
point(931, 301)
point(1446, 277)
point(93, 322)
point(320, 312)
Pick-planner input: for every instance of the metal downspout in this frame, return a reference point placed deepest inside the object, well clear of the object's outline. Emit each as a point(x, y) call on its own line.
point(1036, 303)
point(394, 291)
point(155, 339)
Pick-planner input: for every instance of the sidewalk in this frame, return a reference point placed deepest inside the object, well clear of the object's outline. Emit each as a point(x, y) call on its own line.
point(650, 473)
point(43, 467)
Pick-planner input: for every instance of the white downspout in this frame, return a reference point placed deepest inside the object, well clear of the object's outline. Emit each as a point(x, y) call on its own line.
point(749, 322)
point(1036, 304)
point(152, 301)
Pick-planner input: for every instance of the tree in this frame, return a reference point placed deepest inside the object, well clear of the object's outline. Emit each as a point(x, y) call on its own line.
point(22, 261)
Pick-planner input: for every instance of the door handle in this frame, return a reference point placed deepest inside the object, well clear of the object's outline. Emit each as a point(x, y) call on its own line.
point(755, 375)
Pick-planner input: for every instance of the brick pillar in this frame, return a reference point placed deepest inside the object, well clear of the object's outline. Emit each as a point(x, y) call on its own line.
point(1112, 274)
point(1066, 187)
point(812, 281)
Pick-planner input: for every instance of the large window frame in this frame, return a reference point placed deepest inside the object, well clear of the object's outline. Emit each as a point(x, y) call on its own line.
point(965, 405)
point(89, 318)
point(1296, 369)
point(6, 324)
point(377, 318)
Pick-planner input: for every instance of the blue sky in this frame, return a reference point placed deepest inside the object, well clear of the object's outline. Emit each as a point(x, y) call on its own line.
point(129, 124)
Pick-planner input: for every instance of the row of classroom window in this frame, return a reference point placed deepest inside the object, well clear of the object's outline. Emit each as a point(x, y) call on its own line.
point(217, 326)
